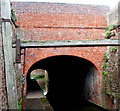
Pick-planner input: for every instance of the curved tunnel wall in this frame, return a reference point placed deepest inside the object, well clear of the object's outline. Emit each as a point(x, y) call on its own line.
point(71, 79)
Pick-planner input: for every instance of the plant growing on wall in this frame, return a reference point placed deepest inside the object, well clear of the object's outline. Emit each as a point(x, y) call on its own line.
point(111, 27)
point(106, 56)
point(20, 104)
point(109, 31)
point(104, 73)
point(104, 65)
point(113, 49)
point(107, 34)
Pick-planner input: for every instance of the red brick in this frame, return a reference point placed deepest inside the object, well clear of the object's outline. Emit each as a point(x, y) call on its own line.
point(50, 21)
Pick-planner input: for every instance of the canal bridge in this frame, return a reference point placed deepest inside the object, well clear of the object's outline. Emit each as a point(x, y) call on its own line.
point(65, 40)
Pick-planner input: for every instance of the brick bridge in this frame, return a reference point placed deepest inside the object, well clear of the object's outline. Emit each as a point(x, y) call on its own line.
point(74, 71)
point(51, 22)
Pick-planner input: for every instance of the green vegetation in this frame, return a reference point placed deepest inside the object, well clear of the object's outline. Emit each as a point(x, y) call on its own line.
point(117, 96)
point(106, 56)
point(108, 34)
point(104, 65)
point(31, 41)
point(13, 15)
point(37, 76)
point(104, 73)
point(43, 100)
point(109, 31)
point(20, 77)
point(43, 89)
point(112, 93)
point(111, 27)
point(113, 49)
point(52, 41)
point(13, 18)
point(16, 36)
point(20, 104)
point(79, 32)
point(25, 98)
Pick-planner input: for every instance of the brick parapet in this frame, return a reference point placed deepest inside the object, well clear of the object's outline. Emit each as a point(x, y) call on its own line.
point(52, 21)
point(52, 15)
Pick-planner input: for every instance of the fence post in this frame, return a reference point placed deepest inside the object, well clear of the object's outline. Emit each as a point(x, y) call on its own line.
point(7, 47)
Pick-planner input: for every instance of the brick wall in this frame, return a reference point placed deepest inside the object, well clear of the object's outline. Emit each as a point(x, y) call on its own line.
point(51, 21)
point(112, 80)
point(46, 21)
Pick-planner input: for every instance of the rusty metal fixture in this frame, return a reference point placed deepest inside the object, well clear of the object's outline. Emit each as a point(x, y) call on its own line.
point(18, 51)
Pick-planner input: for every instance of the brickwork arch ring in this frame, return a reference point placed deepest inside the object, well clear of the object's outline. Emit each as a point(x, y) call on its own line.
point(70, 77)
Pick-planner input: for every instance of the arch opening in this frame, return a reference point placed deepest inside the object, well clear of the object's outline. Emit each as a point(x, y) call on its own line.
point(38, 83)
point(72, 80)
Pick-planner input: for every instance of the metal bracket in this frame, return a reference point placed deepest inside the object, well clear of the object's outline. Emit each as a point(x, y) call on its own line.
point(18, 51)
point(6, 20)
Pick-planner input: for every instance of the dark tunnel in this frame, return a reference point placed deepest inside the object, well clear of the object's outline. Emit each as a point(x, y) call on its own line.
point(71, 80)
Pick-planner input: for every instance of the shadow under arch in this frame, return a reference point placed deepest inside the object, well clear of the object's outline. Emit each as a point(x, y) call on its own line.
point(72, 80)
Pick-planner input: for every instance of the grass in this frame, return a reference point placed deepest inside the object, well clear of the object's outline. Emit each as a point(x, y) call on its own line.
point(38, 76)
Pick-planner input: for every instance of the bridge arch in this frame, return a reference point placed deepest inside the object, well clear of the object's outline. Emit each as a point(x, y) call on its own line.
point(72, 79)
